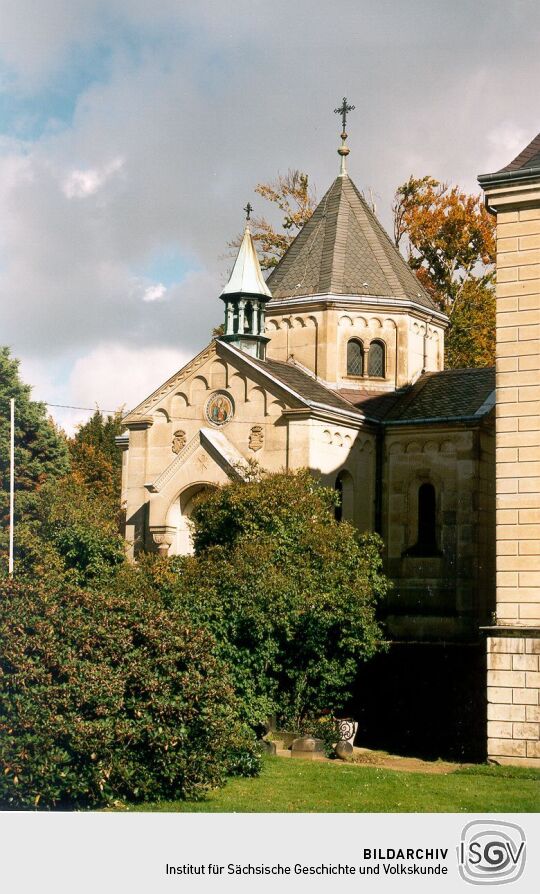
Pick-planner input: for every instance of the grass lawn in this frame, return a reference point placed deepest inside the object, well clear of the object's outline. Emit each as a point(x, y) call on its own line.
point(291, 786)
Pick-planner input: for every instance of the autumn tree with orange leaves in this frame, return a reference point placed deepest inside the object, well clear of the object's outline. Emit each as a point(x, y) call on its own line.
point(449, 238)
point(449, 241)
point(296, 200)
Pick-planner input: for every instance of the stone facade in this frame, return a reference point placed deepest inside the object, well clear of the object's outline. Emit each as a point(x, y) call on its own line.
point(513, 647)
point(513, 706)
point(348, 380)
point(315, 334)
point(443, 596)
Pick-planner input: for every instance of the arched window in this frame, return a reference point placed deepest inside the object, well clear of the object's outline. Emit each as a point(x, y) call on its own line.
point(338, 509)
point(355, 358)
point(427, 519)
point(248, 317)
point(344, 487)
point(376, 362)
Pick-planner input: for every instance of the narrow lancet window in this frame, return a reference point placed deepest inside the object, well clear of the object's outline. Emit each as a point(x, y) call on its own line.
point(427, 518)
point(355, 358)
point(376, 362)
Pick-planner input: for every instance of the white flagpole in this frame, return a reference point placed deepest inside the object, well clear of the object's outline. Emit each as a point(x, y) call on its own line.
point(11, 482)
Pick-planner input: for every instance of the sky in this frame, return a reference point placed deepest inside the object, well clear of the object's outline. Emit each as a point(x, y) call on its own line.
point(132, 134)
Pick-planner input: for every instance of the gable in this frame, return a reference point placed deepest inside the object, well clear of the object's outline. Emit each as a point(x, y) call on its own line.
point(186, 396)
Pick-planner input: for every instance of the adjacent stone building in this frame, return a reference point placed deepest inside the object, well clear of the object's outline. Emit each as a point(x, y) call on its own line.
point(513, 645)
point(336, 363)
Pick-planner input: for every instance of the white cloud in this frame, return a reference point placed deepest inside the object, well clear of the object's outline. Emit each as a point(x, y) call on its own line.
point(189, 112)
point(113, 375)
point(80, 184)
point(154, 293)
point(504, 142)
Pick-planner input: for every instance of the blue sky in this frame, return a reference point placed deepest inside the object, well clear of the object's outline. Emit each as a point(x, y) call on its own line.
point(132, 135)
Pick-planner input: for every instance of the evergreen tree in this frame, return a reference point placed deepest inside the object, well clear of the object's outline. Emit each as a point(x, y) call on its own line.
point(41, 452)
point(96, 460)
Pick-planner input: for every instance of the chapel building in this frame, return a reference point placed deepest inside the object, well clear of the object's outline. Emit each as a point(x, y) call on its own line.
point(336, 363)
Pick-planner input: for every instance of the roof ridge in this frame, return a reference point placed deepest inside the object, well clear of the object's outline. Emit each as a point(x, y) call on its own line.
point(414, 390)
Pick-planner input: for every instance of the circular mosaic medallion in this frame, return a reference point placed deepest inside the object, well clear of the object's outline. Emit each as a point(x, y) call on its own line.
point(219, 408)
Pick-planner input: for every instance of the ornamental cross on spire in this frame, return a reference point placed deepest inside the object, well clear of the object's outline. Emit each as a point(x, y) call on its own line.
point(248, 209)
point(343, 110)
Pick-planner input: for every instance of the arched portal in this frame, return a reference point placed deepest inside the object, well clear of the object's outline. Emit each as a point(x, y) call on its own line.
point(179, 515)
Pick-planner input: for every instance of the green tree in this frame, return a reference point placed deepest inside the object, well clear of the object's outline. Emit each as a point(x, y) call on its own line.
point(96, 460)
point(41, 452)
point(289, 593)
point(470, 340)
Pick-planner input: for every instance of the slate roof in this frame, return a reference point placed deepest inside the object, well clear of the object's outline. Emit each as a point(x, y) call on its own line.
point(451, 394)
point(374, 404)
point(523, 168)
point(528, 158)
point(344, 250)
point(303, 384)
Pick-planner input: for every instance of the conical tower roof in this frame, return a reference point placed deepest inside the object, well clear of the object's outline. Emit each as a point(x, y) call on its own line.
point(344, 250)
point(246, 277)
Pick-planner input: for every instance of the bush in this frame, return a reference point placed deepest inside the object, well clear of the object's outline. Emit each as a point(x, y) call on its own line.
point(289, 594)
point(71, 532)
point(107, 696)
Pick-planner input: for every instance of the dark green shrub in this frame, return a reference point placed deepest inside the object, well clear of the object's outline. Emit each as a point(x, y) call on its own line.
point(289, 594)
point(107, 696)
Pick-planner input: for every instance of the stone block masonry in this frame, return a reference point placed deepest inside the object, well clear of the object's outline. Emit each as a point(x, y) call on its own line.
point(518, 410)
point(513, 646)
point(513, 695)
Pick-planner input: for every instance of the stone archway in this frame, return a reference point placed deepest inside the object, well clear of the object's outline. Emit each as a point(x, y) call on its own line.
point(179, 514)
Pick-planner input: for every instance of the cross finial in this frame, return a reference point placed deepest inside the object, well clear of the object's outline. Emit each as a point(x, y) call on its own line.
point(248, 209)
point(343, 150)
point(343, 110)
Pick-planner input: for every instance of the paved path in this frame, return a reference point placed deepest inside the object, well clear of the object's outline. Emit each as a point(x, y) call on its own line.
point(383, 760)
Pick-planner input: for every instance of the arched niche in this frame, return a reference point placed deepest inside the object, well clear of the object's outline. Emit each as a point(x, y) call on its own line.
point(218, 374)
point(161, 417)
point(239, 387)
point(198, 388)
point(179, 403)
point(344, 486)
point(424, 519)
point(257, 402)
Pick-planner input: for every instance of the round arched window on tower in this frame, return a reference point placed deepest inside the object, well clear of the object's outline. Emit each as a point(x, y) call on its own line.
point(376, 362)
point(355, 358)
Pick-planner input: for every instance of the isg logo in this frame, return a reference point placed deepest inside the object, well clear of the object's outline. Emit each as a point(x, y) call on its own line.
point(491, 852)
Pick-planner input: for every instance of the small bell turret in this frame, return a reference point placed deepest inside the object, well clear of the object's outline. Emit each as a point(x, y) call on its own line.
point(245, 297)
